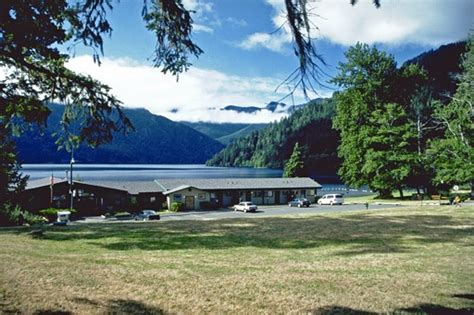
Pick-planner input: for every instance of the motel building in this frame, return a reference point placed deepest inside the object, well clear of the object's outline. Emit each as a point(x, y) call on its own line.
point(224, 192)
point(100, 197)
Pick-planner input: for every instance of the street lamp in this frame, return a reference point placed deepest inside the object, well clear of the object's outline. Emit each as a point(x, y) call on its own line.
point(71, 183)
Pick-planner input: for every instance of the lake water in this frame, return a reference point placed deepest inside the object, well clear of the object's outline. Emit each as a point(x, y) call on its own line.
point(145, 172)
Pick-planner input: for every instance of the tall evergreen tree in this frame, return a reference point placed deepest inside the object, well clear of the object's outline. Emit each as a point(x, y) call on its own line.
point(453, 154)
point(376, 136)
point(294, 166)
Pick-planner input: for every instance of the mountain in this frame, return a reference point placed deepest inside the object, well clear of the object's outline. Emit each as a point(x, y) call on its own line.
point(156, 140)
point(270, 147)
point(274, 107)
point(311, 124)
point(224, 132)
point(442, 65)
point(242, 109)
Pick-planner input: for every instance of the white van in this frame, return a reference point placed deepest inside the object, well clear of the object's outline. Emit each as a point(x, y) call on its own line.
point(331, 199)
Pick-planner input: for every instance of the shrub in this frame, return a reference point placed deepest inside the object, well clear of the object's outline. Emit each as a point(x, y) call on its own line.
point(10, 215)
point(177, 206)
point(15, 215)
point(52, 213)
point(463, 196)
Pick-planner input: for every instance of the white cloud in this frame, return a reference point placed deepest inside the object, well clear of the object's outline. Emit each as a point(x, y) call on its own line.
point(236, 22)
point(197, 90)
point(425, 22)
point(199, 6)
point(202, 28)
point(269, 41)
point(203, 15)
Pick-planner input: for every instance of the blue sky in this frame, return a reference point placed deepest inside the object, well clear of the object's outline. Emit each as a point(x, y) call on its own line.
point(244, 60)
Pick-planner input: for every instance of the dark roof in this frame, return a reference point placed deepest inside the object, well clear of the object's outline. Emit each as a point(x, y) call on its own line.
point(133, 187)
point(46, 181)
point(239, 183)
point(162, 185)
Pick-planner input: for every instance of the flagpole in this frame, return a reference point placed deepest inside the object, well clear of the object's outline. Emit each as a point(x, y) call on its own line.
point(51, 184)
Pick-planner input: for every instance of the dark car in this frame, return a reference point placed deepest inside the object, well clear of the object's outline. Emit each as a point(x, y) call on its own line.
point(146, 215)
point(299, 202)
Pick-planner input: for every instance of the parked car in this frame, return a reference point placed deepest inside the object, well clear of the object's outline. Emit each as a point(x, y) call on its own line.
point(245, 206)
point(146, 215)
point(331, 199)
point(299, 202)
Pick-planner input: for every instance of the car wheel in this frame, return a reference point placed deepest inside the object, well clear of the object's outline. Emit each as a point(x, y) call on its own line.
point(289, 205)
point(245, 210)
point(332, 204)
point(299, 205)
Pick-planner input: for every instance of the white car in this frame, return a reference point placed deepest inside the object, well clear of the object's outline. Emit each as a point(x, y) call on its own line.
point(245, 206)
point(331, 199)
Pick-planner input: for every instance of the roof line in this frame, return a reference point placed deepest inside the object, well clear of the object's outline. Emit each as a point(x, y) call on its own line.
point(159, 184)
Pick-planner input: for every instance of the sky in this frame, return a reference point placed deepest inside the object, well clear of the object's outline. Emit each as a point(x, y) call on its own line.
point(248, 51)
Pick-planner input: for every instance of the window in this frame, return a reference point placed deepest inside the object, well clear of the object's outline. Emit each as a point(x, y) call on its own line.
point(152, 199)
point(202, 196)
point(177, 197)
point(269, 193)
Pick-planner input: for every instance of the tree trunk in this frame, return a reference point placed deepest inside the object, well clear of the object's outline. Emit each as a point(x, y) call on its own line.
point(401, 192)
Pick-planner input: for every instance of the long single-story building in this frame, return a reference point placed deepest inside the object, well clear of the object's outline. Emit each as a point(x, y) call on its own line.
point(99, 197)
point(223, 192)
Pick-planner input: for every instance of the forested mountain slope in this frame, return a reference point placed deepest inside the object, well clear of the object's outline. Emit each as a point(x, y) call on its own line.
point(155, 140)
point(224, 132)
point(311, 126)
point(271, 146)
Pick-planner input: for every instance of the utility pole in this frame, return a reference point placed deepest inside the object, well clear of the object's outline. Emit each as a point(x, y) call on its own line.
point(71, 184)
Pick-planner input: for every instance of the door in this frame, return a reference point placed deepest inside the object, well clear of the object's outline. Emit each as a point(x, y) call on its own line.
point(248, 196)
point(277, 197)
point(189, 202)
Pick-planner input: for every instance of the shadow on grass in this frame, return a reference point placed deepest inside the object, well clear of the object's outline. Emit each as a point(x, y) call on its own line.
point(119, 306)
point(434, 309)
point(431, 309)
point(359, 234)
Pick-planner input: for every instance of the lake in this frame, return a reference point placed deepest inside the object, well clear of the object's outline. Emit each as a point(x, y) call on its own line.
point(145, 172)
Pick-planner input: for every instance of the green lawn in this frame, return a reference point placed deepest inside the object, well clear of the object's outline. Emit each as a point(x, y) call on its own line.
point(405, 260)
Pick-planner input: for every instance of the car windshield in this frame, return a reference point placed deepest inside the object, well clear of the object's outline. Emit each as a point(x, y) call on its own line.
point(148, 212)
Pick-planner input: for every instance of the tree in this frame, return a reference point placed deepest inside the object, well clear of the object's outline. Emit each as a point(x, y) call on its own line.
point(30, 34)
point(32, 31)
point(294, 166)
point(378, 141)
point(453, 154)
point(391, 151)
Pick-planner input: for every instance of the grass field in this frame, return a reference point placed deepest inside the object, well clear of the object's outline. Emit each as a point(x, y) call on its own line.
point(407, 260)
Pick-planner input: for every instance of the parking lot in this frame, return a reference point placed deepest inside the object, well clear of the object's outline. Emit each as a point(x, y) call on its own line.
point(263, 211)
